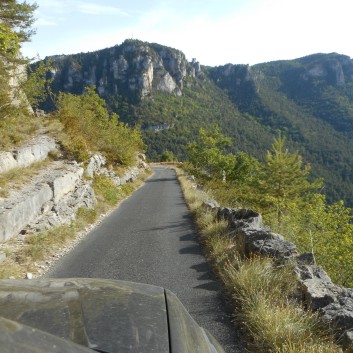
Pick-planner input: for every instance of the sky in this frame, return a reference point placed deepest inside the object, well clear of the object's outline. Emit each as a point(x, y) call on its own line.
point(214, 32)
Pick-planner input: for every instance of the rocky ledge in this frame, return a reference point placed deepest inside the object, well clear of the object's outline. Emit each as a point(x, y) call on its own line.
point(54, 196)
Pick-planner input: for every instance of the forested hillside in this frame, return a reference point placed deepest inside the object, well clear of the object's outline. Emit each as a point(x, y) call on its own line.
point(155, 87)
point(310, 100)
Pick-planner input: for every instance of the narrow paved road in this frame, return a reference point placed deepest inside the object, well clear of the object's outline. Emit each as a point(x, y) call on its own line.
point(151, 238)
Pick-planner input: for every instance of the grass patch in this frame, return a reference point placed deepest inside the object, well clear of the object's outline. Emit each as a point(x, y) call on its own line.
point(17, 177)
point(41, 245)
point(16, 130)
point(11, 268)
point(263, 295)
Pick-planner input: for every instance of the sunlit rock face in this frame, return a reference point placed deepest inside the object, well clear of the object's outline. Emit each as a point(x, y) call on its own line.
point(133, 68)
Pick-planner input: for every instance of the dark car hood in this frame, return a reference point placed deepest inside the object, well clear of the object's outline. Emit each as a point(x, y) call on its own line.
point(109, 315)
point(105, 315)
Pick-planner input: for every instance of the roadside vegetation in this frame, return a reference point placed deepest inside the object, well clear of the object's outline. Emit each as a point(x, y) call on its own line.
point(263, 295)
point(282, 190)
point(89, 127)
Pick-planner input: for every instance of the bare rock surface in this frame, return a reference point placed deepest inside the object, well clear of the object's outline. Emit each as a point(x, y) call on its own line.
point(34, 151)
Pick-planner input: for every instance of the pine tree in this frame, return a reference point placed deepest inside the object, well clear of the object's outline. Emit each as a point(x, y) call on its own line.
point(284, 180)
point(16, 20)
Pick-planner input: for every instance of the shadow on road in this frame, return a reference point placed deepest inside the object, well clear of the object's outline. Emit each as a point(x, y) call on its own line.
point(193, 249)
point(159, 180)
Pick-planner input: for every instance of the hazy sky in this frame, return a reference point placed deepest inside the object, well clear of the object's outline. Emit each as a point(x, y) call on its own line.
point(215, 32)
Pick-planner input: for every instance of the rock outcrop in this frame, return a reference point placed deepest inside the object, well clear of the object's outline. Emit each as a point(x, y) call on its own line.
point(134, 68)
point(53, 196)
point(35, 151)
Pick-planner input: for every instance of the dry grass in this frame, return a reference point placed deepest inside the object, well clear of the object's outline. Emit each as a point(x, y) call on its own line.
point(263, 294)
point(17, 130)
point(17, 177)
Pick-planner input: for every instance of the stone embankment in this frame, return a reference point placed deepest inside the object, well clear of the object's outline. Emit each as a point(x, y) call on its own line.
point(318, 292)
point(54, 196)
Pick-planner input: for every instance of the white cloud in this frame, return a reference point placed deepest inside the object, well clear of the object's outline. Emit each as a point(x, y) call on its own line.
point(97, 9)
point(57, 6)
point(42, 22)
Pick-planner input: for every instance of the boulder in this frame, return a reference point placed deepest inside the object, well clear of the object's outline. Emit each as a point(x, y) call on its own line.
point(317, 289)
point(35, 151)
point(7, 162)
point(347, 341)
point(211, 205)
point(340, 310)
point(95, 164)
point(65, 182)
point(249, 241)
point(240, 218)
point(17, 214)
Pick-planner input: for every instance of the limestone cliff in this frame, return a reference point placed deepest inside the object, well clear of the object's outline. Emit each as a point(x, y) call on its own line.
point(134, 68)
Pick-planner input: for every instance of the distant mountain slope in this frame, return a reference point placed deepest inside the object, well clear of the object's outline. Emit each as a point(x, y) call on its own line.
point(309, 99)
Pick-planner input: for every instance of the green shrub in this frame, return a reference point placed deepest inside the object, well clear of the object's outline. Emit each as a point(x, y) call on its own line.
point(90, 128)
point(105, 189)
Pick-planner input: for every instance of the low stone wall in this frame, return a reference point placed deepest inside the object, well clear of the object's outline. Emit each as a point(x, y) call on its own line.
point(319, 293)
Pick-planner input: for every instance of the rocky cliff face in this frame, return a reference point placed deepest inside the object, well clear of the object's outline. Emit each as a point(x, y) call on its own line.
point(296, 78)
point(134, 68)
point(54, 195)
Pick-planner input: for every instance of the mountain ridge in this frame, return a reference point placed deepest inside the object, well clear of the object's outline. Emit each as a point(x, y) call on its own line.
point(309, 99)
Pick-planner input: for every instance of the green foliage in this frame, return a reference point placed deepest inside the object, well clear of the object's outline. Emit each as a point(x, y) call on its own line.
point(16, 122)
point(202, 105)
point(326, 231)
point(15, 22)
point(283, 180)
point(168, 156)
point(280, 190)
point(312, 107)
point(9, 41)
point(106, 190)
point(208, 155)
point(245, 170)
point(18, 16)
point(91, 128)
point(37, 85)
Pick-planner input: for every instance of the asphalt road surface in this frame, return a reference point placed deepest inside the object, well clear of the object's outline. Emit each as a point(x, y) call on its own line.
point(151, 238)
